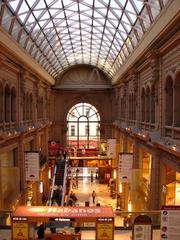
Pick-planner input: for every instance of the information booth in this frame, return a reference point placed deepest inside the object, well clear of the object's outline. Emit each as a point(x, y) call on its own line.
point(25, 219)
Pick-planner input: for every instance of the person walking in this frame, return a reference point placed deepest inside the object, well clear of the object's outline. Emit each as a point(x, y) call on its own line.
point(41, 231)
point(93, 196)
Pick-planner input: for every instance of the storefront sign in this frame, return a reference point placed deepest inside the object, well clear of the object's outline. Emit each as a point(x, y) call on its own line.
point(125, 167)
point(20, 231)
point(63, 212)
point(32, 166)
point(170, 222)
point(104, 231)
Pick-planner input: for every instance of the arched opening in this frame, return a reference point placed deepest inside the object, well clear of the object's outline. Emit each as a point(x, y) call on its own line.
point(134, 107)
point(123, 105)
point(153, 104)
point(169, 102)
point(27, 106)
point(24, 106)
point(83, 123)
point(143, 105)
point(176, 101)
point(7, 104)
point(13, 104)
point(1, 103)
point(30, 106)
point(147, 104)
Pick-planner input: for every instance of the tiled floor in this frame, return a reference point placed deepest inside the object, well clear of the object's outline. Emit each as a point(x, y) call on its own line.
point(83, 193)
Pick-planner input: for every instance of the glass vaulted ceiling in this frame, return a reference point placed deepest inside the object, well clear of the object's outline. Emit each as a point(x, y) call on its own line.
point(61, 33)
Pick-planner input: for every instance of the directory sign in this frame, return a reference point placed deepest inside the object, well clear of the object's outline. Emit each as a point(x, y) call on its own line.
point(170, 222)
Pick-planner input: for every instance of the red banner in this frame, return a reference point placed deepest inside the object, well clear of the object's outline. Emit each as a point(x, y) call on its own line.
point(53, 148)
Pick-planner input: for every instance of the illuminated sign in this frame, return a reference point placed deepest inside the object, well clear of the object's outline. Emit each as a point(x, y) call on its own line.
point(19, 219)
point(64, 212)
point(61, 219)
point(104, 219)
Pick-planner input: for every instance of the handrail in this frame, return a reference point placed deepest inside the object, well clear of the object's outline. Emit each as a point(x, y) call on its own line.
point(52, 187)
point(64, 184)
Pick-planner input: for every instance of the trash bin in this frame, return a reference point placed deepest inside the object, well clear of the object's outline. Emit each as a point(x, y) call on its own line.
point(86, 203)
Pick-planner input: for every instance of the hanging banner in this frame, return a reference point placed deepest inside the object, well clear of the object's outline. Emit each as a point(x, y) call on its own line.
point(53, 148)
point(20, 231)
point(31, 166)
point(170, 221)
point(125, 167)
point(111, 148)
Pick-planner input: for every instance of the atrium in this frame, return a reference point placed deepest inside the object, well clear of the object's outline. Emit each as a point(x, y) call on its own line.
point(98, 80)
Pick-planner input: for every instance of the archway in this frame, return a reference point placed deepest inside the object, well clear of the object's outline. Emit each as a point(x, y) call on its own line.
point(83, 121)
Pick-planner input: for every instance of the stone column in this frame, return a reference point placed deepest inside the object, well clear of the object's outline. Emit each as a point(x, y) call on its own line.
point(155, 185)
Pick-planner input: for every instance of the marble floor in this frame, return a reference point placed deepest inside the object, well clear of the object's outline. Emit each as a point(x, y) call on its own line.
point(83, 193)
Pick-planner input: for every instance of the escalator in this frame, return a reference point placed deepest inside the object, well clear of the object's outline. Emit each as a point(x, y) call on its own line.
point(58, 192)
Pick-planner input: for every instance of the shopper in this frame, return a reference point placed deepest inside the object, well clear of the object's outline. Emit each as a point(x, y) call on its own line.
point(41, 231)
point(93, 196)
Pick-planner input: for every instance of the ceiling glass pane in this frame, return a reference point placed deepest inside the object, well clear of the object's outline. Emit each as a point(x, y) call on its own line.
point(62, 33)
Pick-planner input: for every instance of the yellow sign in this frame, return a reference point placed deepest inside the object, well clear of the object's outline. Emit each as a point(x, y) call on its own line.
point(105, 231)
point(20, 231)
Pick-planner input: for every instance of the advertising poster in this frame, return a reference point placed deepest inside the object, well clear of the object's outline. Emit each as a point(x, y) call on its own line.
point(20, 231)
point(142, 232)
point(170, 222)
point(125, 167)
point(104, 231)
point(53, 148)
point(111, 148)
point(32, 166)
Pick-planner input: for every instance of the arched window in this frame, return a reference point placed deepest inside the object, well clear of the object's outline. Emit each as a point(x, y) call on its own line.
point(13, 104)
point(39, 107)
point(134, 106)
point(130, 107)
point(147, 101)
point(30, 106)
point(83, 122)
point(7, 104)
point(24, 106)
point(42, 107)
point(169, 102)
point(122, 107)
point(1, 103)
point(27, 106)
point(143, 105)
point(153, 104)
point(176, 101)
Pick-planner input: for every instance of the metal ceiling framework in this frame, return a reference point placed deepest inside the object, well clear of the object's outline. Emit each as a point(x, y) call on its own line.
point(61, 33)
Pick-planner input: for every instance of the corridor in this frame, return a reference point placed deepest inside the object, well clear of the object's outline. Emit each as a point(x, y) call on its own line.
point(84, 194)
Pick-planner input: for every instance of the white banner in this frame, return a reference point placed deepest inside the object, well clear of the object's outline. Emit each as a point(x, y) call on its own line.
point(125, 167)
point(31, 166)
point(111, 148)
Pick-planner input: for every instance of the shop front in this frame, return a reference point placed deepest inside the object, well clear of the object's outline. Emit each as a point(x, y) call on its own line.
point(67, 221)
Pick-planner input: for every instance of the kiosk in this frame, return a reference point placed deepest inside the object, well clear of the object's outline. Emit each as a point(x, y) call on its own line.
point(25, 219)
